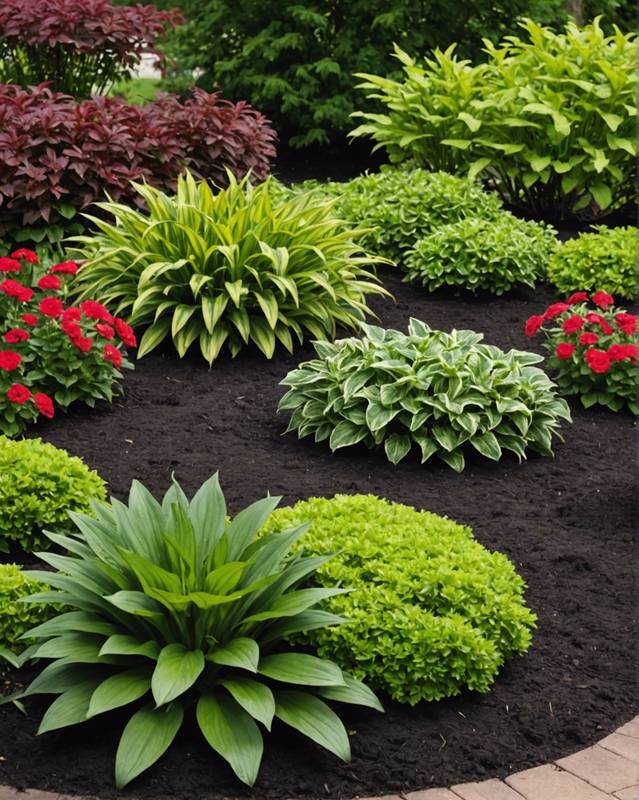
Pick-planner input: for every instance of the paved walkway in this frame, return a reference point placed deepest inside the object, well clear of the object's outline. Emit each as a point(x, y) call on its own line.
point(607, 771)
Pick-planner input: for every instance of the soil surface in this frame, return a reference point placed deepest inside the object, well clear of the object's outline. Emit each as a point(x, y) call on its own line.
point(566, 522)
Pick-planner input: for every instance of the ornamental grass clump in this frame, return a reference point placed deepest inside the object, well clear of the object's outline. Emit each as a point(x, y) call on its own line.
point(443, 394)
point(176, 606)
point(229, 267)
point(432, 611)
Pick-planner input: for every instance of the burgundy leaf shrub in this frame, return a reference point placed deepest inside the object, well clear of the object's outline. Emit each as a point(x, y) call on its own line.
point(58, 155)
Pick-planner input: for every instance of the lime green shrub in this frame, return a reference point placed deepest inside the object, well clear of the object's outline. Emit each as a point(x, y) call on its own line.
point(605, 260)
point(17, 617)
point(39, 485)
point(432, 612)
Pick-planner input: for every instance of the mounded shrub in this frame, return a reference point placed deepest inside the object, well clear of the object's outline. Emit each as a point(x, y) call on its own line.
point(605, 260)
point(39, 485)
point(17, 617)
point(441, 393)
point(432, 612)
point(495, 255)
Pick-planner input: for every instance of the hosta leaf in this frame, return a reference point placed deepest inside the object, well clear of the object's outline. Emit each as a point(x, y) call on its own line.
point(176, 671)
point(353, 691)
point(119, 690)
point(312, 717)
point(301, 668)
point(487, 445)
point(153, 336)
point(255, 698)
point(242, 653)
point(346, 434)
point(125, 645)
point(397, 446)
point(69, 708)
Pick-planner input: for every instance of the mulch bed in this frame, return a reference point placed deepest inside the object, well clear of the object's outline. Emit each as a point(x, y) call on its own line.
point(566, 522)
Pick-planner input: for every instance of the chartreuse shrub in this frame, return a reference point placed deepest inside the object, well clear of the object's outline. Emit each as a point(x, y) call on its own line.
point(432, 611)
point(440, 393)
point(491, 254)
point(548, 119)
point(603, 260)
point(16, 616)
point(39, 485)
point(234, 267)
point(174, 604)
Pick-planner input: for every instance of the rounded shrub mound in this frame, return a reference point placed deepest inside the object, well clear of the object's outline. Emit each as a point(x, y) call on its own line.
point(442, 393)
point(17, 617)
point(39, 485)
point(494, 255)
point(432, 612)
point(605, 260)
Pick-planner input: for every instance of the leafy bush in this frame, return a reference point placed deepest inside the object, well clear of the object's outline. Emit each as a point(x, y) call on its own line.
point(593, 353)
point(207, 604)
point(604, 260)
point(53, 352)
point(492, 254)
point(434, 390)
point(549, 121)
point(235, 267)
point(39, 485)
point(80, 46)
point(17, 617)
point(57, 155)
point(432, 611)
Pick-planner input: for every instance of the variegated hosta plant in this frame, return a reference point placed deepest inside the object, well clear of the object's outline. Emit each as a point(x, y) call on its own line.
point(235, 266)
point(173, 607)
point(441, 393)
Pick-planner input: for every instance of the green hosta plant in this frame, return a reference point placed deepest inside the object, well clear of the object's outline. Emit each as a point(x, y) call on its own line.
point(234, 266)
point(174, 605)
point(491, 254)
point(441, 393)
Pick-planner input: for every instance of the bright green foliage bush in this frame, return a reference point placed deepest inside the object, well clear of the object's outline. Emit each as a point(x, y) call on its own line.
point(174, 603)
point(604, 260)
point(435, 391)
point(39, 485)
point(432, 611)
point(235, 267)
point(495, 254)
point(549, 120)
point(17, 617)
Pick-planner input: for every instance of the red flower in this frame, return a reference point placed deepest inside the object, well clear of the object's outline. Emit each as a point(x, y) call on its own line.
point(533, 324)
point(49, 282)
point(626, 322)
point(573, 324)
point(588, 338)
point(555, 310)
point(113, 355)
point(51, 306)
point(9, 265)
point(83, 343)
point(621, 352)
point(603, 299)
point(15, 289)
point(597, 319)
point(71, 314)
point(9, 360)
point(18, 394)
point(72, 329)
point(16, 335)
point(105, 330)
point(597, 360)
point(564, 350)
point(30, 319)
point(44, 404)
point(95, 310)
point(577, 297)
point(66, 267)
point(125, 332)
point(27, 255)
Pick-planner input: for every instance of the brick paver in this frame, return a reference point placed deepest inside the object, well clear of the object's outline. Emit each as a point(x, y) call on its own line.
point(602, 768)
point(552, 783)
point(626, 746)
point(631, 793)
point(486, 790)
point(431, 794)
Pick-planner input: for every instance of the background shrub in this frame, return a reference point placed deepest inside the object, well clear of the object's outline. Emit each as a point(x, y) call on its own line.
point(603, 260)
point(491, 254)
point(58, 156)
point(432, 611)
point(16, 617)
point(39, 485)
point(235, 267)
point(435, 391)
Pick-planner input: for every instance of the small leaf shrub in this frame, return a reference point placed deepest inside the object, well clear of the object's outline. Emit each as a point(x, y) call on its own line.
point(80, 46)
point(603, 260)
point(52, 352)
point(490, 254)
point(432, 612)
point(39, 485)
point(439, 392)
point(549, 120)
point(17, 617)
point(234, 266)
point(593, 354)
point(174, 603)
point(58, 155)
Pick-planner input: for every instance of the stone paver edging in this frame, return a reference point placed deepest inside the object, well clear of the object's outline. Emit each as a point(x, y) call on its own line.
point(608, 770)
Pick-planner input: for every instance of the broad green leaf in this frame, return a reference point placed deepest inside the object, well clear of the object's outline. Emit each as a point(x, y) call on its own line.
point(176, 671)
point(242, 653)
point(255, 698)
point(312, 717)
point(353, 691)
point(397, 446)
point(70, 708)
point(301, 669)
point(119, 690)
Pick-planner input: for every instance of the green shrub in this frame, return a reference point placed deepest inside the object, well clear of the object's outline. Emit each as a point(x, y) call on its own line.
point(432, 611)
point(235, 267)
point(549, 120)
point(433, 390)
point(495, 255)
point(207, 604)
point(39, 485)
point(605, 260)
point(17, 617)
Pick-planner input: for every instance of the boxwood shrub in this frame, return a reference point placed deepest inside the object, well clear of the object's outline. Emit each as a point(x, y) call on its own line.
point(17, 617)
point(432, 612)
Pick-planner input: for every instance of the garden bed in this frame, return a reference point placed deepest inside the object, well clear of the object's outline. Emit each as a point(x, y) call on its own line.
point(566, 522)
